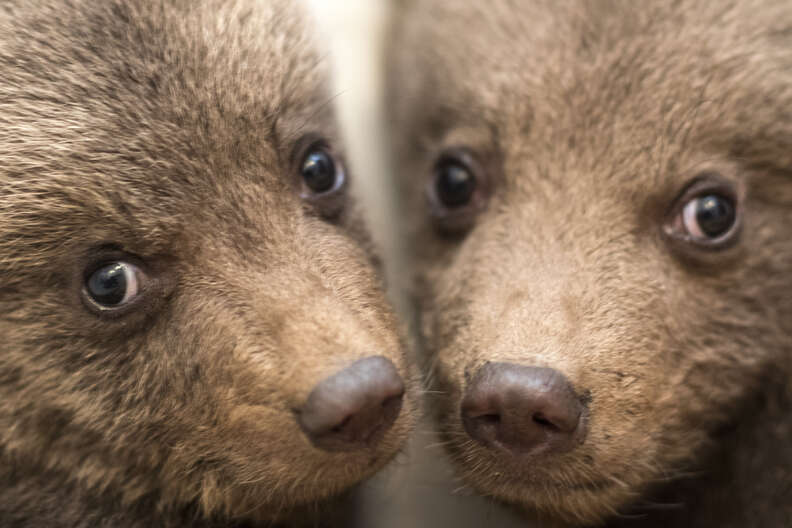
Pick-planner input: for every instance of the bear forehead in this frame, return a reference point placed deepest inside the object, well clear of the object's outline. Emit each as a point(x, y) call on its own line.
point(129, 119)
point(102, 87)
point(600, 66)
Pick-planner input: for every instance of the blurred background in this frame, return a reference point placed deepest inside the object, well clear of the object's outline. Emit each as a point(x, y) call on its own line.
point(418, 490)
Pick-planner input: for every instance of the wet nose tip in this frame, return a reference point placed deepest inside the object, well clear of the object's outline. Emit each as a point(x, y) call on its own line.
point(524, 409)
point(353, 408)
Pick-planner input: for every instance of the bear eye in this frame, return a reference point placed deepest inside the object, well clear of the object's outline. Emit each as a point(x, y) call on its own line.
point(707, 214)
point(708, 217)
point(454, 183)
point(320, 173)
point(457, 191)
point(113, 285)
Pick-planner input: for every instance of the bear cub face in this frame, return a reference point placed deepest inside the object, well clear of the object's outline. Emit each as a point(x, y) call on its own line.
point(190, 310)
point(600, 207)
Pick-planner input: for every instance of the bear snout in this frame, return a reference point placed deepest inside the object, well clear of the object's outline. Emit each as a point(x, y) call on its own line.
point(354, 408)
point(524, 410)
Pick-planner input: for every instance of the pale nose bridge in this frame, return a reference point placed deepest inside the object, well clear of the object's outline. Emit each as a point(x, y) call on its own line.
point(536, 323)
point(313, 330)
point(533, 305)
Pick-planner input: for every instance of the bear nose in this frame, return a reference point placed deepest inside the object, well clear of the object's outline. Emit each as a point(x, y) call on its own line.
point(524, 409)
point(353, 408)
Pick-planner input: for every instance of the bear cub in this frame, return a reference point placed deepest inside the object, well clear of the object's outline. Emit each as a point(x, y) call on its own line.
point(599, 202)
point(192, 326)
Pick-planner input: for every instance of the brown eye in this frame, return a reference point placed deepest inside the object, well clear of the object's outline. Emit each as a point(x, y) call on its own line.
point(113, 285)
point(116, 285)
point(320, 173)
point(454, 184)
point(457, 191)
point(707, 215)
point(322, 179)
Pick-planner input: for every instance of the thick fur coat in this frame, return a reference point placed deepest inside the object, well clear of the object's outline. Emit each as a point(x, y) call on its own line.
point(168, 134)
point(587, 126)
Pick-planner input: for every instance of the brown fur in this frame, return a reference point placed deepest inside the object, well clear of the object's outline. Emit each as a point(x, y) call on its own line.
point(589, 119)
point(165, 130)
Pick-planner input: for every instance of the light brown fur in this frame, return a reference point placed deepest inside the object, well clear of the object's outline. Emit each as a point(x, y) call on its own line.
point(166, 130)
point(588, 120)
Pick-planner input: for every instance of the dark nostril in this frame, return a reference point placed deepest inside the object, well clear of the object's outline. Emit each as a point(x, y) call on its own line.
point(340, 427)
point(523, 409)
point(355, 407)
point(544, 422)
